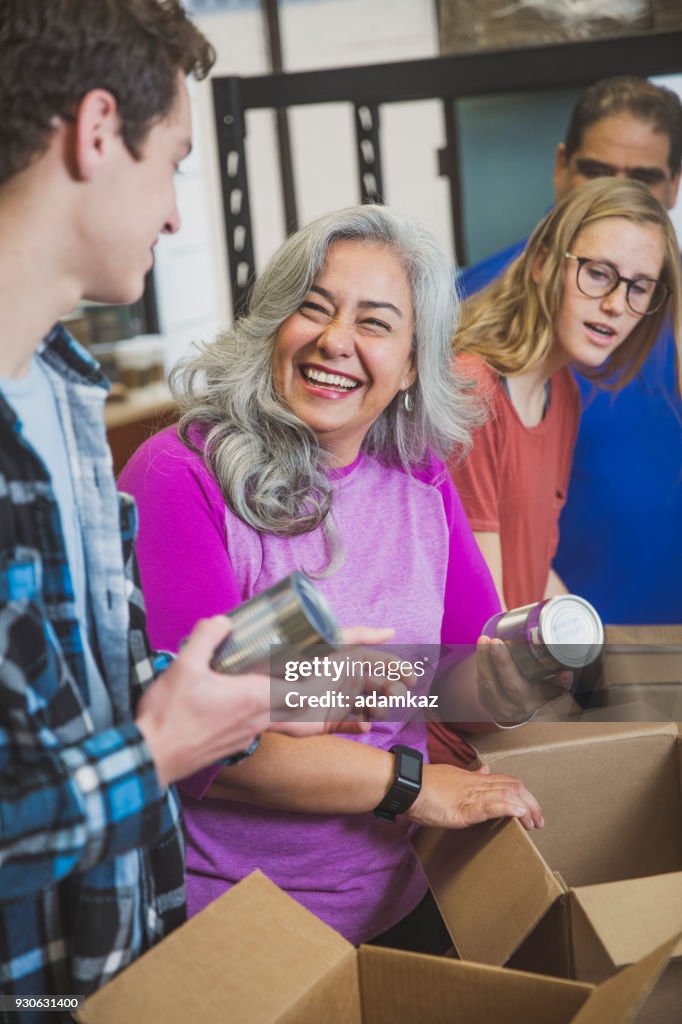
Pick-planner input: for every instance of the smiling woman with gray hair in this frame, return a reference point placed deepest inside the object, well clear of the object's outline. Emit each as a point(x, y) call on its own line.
point(270, 463)
point(311, 438)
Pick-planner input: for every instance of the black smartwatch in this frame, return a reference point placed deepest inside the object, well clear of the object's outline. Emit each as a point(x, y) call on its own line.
point(407, 783)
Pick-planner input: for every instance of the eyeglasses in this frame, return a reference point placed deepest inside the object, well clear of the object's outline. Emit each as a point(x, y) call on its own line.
point(644, 295)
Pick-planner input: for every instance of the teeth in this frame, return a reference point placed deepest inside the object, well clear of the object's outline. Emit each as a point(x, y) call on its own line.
point(606, 331)
point(336, 379)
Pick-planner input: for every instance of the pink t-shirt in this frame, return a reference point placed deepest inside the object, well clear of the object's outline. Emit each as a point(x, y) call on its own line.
point(410, 562)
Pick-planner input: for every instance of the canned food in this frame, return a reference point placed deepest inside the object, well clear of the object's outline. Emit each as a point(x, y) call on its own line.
point(543, 638)
point(292, 616)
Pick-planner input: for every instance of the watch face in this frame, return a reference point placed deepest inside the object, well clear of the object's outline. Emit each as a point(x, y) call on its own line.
point(410, 767)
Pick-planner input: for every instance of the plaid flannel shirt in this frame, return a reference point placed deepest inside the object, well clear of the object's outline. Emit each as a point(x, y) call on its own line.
point(91, 857)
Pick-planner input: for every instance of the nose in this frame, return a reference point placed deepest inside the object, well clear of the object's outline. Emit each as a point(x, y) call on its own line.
point(615, 302)
point(172, 224)
point(337, 339)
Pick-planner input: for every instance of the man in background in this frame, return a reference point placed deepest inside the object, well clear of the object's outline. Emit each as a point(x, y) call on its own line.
point(619, 541)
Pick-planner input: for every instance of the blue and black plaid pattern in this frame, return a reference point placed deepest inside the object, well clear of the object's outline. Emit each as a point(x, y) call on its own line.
point(91, 858)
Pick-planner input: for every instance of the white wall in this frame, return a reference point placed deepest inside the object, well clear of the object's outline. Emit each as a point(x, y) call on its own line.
point(324, 34)
point(191, 267)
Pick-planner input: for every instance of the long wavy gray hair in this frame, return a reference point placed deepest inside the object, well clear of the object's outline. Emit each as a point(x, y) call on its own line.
point(269, 463)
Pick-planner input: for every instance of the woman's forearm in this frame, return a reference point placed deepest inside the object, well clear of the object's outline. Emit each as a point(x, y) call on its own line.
point(331, 775)
point(314, 775)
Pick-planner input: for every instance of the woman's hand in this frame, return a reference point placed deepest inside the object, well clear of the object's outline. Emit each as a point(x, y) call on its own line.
point(455, 798)
point(506, 695)
point(344, 717)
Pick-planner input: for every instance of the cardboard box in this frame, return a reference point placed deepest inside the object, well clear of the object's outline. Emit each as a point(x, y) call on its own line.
point(601, 885)
point(642, 666)
point(255, 956)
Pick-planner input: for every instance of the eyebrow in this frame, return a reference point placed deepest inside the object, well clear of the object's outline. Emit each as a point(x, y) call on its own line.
point(585, 164)
point(363, 304)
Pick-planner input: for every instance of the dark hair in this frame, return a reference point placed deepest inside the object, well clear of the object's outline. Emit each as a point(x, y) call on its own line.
point(53, 52)
point(637, 96)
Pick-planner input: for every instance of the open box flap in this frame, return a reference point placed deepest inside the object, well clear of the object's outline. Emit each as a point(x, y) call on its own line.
point(637, 663)
point(491, 886)
point(402, 987)
point(632, 917)
point(248, 957)
point(619, 1000)
point(541, 736)
point(644, 638)
point(334, 997)
point(604, 820)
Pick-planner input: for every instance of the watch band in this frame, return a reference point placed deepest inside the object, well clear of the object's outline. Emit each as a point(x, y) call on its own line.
point(407, 783)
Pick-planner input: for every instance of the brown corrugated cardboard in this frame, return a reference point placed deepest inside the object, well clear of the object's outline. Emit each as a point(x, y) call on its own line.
point(655, 903)
point(257, 957)
point(251, 950)
point(399, 987)
point(643, 654)
point(610, 793)
point(624, 992)
point(641, 665)
point(602, 918)
point(463, 872)
point(612, 845)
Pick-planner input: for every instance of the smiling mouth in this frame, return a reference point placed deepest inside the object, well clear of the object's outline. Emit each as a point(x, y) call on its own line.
point(601, 330)
point(332, 381)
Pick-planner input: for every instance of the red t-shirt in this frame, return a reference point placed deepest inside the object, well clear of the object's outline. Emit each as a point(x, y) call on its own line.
point(514, 480)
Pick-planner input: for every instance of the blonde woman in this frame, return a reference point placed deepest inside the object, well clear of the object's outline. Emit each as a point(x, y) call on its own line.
point(597, 278)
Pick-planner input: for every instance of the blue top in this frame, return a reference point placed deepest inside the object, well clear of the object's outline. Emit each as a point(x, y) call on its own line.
point(619, 544)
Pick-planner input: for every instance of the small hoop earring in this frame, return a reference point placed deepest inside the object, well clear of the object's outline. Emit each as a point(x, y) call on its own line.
point(408, 401)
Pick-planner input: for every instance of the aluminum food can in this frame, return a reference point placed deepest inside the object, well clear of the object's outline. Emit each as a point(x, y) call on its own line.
point(543, 638)
point(291, 616)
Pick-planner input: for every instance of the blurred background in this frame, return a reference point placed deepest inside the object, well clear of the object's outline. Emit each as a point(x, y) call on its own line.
point(505, 147)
